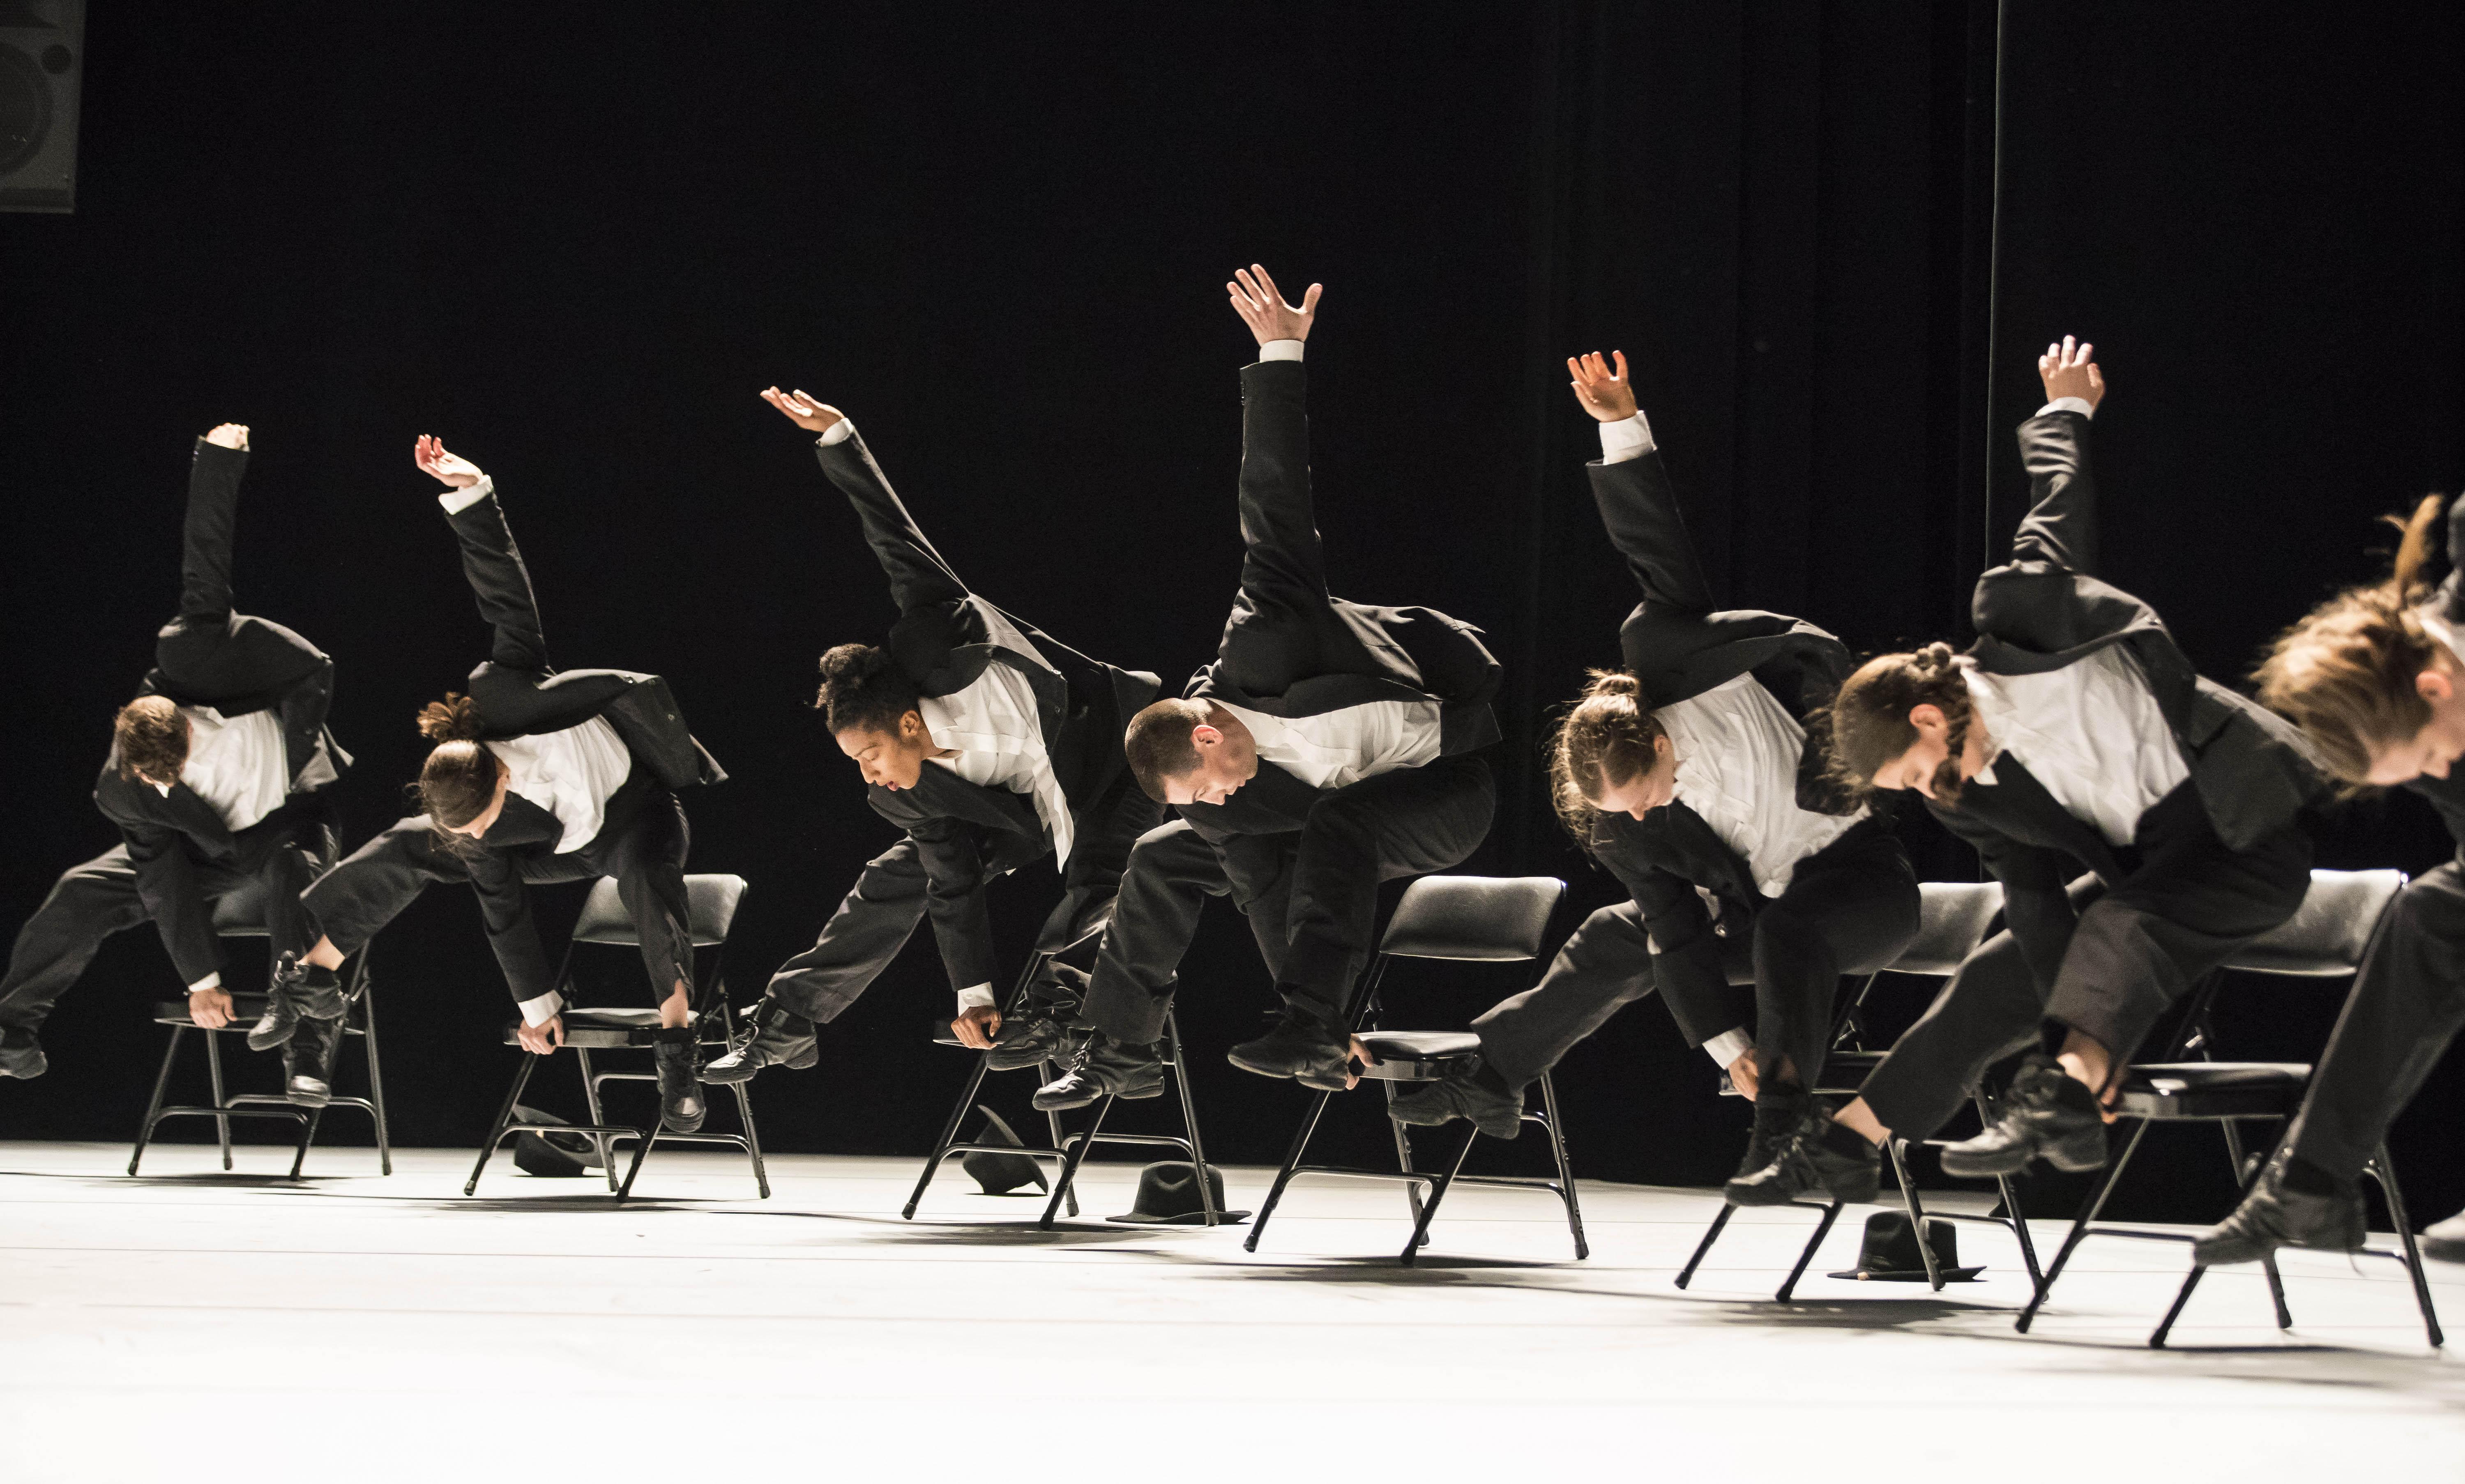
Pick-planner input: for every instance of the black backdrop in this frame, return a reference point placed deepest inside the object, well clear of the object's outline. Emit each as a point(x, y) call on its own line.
point(575, 240)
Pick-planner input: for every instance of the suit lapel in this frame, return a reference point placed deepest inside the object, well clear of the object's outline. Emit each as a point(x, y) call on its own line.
point(2017, 805)
point(942, 794)
point(1273, 802)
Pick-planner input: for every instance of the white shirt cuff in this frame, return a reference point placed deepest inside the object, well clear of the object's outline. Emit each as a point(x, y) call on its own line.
point(213, 980)
point(2081, 404)
point(463, 499)
point(1280, 350)
point(1627, 438)
point(976, 997)
point(542, 1011)
point(1728, 1046)
point(838, 432)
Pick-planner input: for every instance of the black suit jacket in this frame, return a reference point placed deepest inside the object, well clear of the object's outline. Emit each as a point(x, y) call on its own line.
point(518, 693)
point(237, 664)
point(2045, 609)
point(967, 834)
point(1292, 650)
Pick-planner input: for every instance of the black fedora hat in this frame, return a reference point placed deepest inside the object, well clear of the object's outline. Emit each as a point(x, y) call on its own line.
point(1169, 1196)
point(1889, 1252)
point(1000, 1174)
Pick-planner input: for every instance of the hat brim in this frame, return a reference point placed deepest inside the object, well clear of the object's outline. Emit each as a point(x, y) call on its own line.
point(1185, 1219)
point(1909, 1274)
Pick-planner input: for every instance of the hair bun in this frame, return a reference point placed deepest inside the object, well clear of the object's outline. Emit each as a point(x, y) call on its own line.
point(1934, 658)
point(454, 719)
point(1614, 682)
point(846, 668)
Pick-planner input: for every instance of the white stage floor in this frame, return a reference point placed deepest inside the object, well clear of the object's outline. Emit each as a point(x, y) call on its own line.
point(193, 1325)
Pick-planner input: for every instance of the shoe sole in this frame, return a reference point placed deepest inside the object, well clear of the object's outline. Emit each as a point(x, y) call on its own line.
point(2078, 1155)
point(271, 1042)
point(309, 1100)
point(1758, 1195)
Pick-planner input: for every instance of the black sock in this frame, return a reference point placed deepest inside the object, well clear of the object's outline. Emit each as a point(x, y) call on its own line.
point(1840, 1139)
point(2308, 1179)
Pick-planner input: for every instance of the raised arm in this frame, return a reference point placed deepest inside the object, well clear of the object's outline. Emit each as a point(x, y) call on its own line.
point(2060, 527)
point(919, 577)
point(1638, 506)
point(1282, 565)
point(491, 560)
point(214, 473)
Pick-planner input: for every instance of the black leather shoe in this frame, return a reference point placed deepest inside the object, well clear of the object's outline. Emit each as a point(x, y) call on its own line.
point(1462, 1094)
point(1818, 1158)
point(1300, 1046)
point(681, 1104)
point(300, 990)
point(308, 1062)
point(1105, 1068)
point(2046, 1113)
point(21, 1055)
point(782, 1038)
point(2272, 1216)
point(1777, 1111)
point(1031, 1040)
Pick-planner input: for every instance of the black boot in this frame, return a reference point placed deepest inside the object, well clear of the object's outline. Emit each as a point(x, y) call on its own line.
point(1477, 1093)
point(300, 990)
point(1040, 1030)
point(1777, 1111)
point(2046, 1111)
point(308, 1062)
point(2275, 1215)
point(1105, 1068)
point(681, 1104)
point(1301, 1045)
point(21, 1055)
point(1819, 1157)
point(782, 1038)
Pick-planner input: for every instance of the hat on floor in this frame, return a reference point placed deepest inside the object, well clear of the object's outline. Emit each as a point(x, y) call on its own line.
point(1169, 1196)
point(1000, 1174)
point(554, 1156)
point(1889, 1252)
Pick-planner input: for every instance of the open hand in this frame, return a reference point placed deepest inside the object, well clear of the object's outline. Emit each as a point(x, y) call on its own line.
point(977, 1025)
point(450, 468)
point(2068, 371)
point(229, 435)
point(542, 1039)
point(804, 411)
point(211, 1008)
point(1608, 396)
point(1262, 308)
point(1744, 1075)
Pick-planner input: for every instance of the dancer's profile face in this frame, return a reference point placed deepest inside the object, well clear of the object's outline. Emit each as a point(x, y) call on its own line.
point(889, 759)
point(1640, 794)
point(2432, 750)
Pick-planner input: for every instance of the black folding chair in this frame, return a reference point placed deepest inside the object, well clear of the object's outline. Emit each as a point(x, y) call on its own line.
point(1068, 1150)
point(1496, 920)
point(1952, 920)
point(712, 901)
point(241, 914)
point(2326, 938)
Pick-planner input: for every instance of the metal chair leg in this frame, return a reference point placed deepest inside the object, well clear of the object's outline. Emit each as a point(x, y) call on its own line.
point(1189, 1122)
point(590, 1101)
point(2182, 1297)
point(641, 1152)
point(2277, 1292)
point(1284, 1176)
point(1822, 1229)
point(504, 1116)
point(376, 1072)
point(950, 1132)
point(1437, 1193)
point(154, 1105)
point(215, 1065)
point(2011, 1212)
point(1686, 1274)
point(307, 1137)
point(1565, 1169)
point(2384, 1171)
point(1916, 1208)
point(752, 1140)
point(1052, 1126)
point(1404, 1162)
point(2090, 1209)
point(1076, 1156)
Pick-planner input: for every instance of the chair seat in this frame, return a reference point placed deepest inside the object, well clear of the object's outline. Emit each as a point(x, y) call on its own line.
point(603, 1029)
point(1418, 1055)
point(246, 1010)
point(2212, 1088)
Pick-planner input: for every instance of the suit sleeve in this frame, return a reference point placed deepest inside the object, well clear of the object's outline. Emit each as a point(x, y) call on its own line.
point(206, 534)
point(1283, 568)
point(500, 584)
point(2060, 527)
point(167, 883)
point(956, 875)
point(1686, 958)
point(1639, 510)
point(2037, 900)
point(505, 912)
point(919, 577)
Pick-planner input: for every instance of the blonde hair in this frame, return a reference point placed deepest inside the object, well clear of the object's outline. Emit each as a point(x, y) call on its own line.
point(2346, 672)
point(1603, 739)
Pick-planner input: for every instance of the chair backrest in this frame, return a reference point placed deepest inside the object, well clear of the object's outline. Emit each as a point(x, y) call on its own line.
point(710, 908)
point(1951, 922)
point(2327, 933)
point(242, 912)
point(1497, 919)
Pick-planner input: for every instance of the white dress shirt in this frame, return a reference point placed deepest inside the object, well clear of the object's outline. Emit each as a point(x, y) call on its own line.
point(240, 767)
point(1338, 748)
point(570, 774)
point(992, 723)
point(1737, 753)
point(2089, 732)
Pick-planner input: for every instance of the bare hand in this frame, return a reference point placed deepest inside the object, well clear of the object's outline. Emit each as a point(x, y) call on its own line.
point(542, 1039)
point(2068, 372)
point(977, 1025)
point(211, 1008)
point(1356, 1051)
point(1746, 1076)
point(450, 468)
point(1607, 397)
point(1262, 307)
point(229, 435)
point(804, 411)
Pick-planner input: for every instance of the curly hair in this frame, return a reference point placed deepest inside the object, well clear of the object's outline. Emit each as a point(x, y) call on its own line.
point(1867, 722)
point(1603, 739)
point(459, 781)
point(864, 689)
point(151, 739)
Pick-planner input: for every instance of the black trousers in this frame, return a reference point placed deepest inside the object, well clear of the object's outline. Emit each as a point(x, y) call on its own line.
point(280, 856)
point(642, 843)
point(2182, 905)
point(2407, 1004)
point(1848, 910)
point(1311, 896)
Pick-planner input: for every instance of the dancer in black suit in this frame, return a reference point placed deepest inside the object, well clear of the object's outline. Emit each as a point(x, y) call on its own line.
point(1023, 739)
point(1690, 776)
point(537, 776)
point(215, 781)
point(2376, 678)
point(1330, 746)
point(2075, 735)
